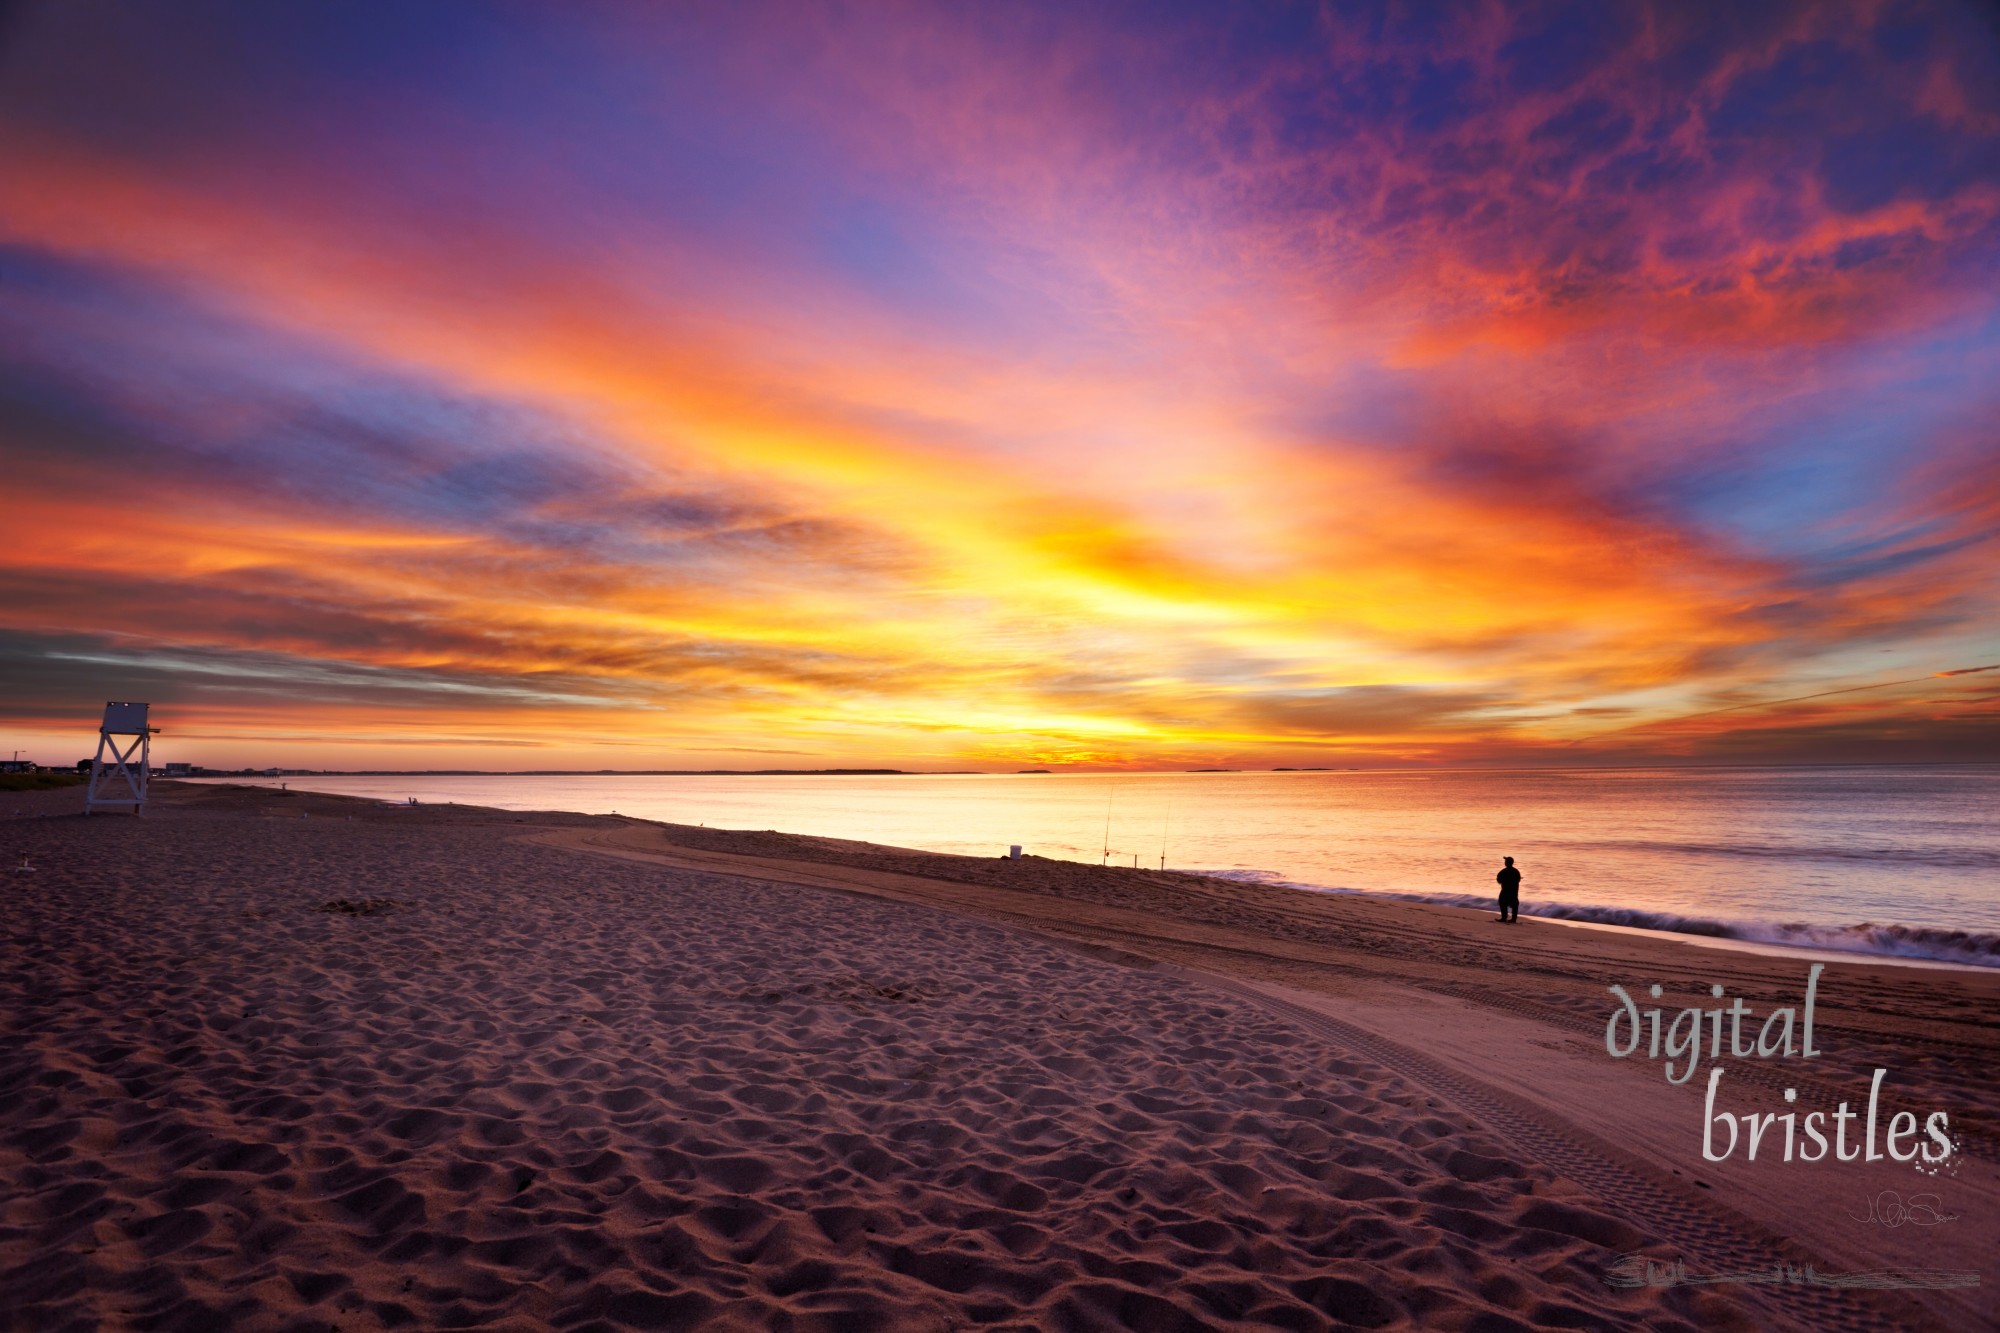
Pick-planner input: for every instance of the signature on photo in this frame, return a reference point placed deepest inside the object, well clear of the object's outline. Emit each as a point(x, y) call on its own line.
point(1889, 1209)
point(1636, 1270)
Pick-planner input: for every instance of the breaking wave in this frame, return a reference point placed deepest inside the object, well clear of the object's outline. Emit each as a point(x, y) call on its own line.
point(1931, 943)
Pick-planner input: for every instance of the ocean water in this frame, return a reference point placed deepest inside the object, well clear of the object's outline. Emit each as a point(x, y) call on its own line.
point(1886, 860)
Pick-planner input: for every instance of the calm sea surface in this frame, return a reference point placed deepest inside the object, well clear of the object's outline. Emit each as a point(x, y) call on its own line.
point(1890, 860)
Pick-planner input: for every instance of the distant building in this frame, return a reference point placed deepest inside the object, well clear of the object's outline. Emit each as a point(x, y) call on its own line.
point(19, 766)
point(180, 770)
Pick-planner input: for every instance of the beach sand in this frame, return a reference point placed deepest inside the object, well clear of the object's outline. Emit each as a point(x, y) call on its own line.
point(559, 1071)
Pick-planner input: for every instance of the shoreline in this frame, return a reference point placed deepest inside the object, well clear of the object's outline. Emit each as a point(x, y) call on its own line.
point(560, 1068)
point(1718, 937)
point(1725, 933)
point(1804, 953)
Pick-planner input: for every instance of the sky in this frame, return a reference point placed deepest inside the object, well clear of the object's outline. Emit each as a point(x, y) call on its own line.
point(936, 386)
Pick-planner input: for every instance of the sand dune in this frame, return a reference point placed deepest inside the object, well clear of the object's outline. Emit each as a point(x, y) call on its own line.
point(504, 1084)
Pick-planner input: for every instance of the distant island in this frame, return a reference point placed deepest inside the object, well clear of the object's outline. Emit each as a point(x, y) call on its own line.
point(178, 770)
point(195, 771)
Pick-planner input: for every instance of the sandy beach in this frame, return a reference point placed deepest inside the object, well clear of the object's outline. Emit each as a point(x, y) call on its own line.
point(293, 1061)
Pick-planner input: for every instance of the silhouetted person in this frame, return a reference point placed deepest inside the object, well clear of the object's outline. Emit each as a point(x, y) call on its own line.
point(1510, 890)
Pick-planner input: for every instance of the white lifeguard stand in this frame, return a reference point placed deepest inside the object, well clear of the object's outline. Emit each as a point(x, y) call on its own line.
point(121, 720)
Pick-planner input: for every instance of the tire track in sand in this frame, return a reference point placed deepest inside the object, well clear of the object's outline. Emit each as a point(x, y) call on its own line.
point(1709, 1236)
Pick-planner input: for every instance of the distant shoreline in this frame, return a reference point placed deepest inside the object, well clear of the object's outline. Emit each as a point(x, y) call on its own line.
point(1030, 772)
point(594, 773)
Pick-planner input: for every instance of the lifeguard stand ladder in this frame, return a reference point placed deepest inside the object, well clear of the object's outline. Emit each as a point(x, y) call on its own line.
point(121, 720)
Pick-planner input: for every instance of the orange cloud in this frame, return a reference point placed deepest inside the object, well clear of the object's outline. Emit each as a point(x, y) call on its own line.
point(1335, 445)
